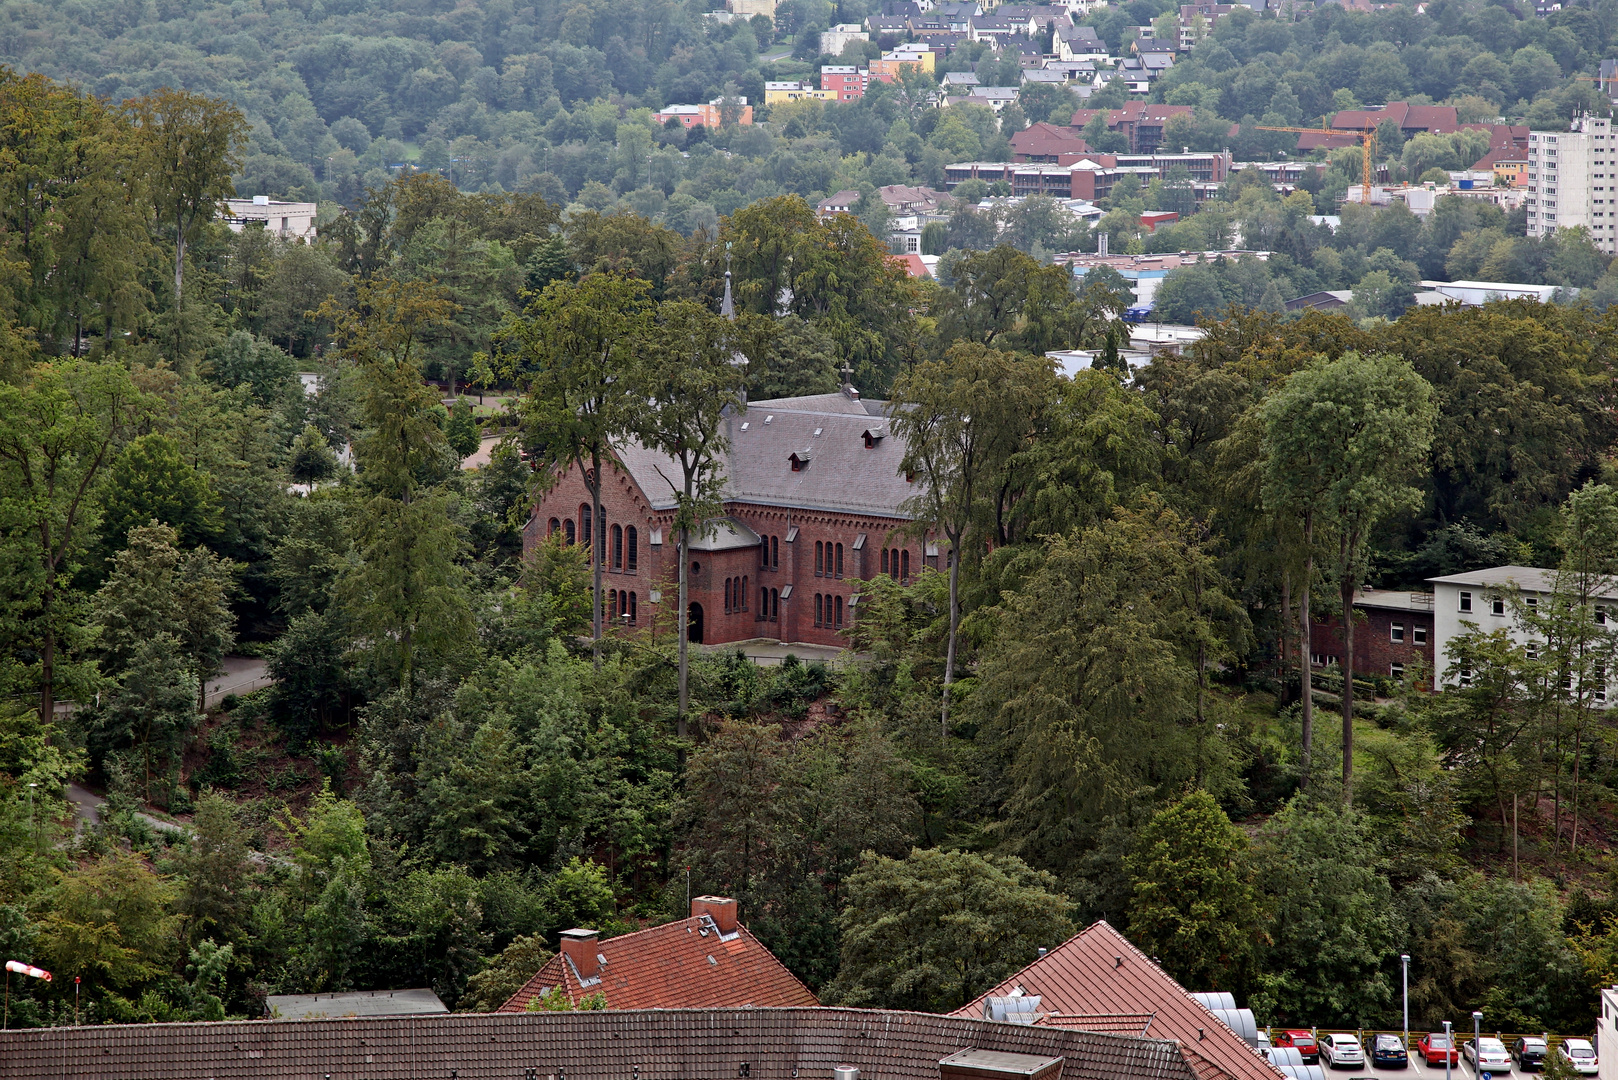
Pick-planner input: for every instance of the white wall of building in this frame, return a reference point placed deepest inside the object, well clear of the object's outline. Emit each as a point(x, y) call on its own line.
point(1573, 181)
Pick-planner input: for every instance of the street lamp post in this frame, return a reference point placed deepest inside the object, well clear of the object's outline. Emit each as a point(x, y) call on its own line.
point(1477, 1033)
point(1449, 1048)
point(1404, 962)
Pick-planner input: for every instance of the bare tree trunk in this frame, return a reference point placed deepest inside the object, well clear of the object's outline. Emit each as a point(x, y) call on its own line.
point(1578, 748)
point(1346, 590)
point(954, 626)
point(1306, 654)
point(179, 286)
point(685, 539)
point(47, 665)
point(1286, 613)
point(597, 544)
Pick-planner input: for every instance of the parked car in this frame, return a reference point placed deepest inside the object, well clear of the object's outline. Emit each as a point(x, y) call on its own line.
point(1337, 1051)
point(1301, 1041)
point(1529, 1053)
point(1435, 1048)
point(1580, 1055)
point(1389, 1050)
point(1488, 1055)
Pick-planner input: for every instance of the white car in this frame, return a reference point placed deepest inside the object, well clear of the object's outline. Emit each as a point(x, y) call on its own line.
point(1341, 1050)
point(1489, 1055)
point(1580, 1055)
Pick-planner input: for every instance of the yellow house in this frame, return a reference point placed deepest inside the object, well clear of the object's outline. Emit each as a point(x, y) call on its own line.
point(892, 63)
point(776, 93)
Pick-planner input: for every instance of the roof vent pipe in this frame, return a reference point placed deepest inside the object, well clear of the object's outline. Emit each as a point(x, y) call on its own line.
point(846, 1072)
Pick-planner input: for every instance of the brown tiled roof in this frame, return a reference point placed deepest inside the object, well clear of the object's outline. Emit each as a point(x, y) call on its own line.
point(1138, 1024)
point(1047, 140)
point(707, 1044)
point(679, 965)
point(1099, 971)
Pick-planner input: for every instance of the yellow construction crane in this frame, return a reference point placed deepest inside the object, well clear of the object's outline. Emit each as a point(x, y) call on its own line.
point(1367, 140)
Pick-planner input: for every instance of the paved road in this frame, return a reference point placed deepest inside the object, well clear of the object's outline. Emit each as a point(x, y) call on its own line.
point(241, 675)
point(480, 457)
point(87, 804)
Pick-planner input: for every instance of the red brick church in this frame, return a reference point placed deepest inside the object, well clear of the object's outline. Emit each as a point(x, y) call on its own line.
point(813, 501)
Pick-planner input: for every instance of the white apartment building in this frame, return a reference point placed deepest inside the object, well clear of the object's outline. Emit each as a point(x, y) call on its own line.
point(1573, 181)
point(1480, 600)
point(291, 220)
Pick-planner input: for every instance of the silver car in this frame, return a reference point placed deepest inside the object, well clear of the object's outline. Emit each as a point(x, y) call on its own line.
point(1580, 1055)
point(1488, 1055)
point(1337, 1051)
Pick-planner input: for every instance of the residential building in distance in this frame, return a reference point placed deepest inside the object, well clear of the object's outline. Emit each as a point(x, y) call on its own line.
point(709, 115)
point(893, 64)
point(1079, 43)
point(291, 220)
point(1091, 176)
point(1573, 181)
point(844, 81)
point(748, 8)
point(1141, 123)
point(777, 92)
point(836, 39)
point(1198, 20)
point(705, 961)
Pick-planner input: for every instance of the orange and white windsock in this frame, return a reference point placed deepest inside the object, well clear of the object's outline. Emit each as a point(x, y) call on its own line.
point(28, 969)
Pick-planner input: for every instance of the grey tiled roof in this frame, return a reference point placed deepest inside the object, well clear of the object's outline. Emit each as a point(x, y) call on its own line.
point(698, 1044)
point(842, 475)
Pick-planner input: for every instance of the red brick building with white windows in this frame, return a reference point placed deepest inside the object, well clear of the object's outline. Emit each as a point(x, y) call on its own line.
point(813, 501)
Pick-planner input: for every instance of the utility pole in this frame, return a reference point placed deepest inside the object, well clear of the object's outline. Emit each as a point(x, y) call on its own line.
point(1449, 1048)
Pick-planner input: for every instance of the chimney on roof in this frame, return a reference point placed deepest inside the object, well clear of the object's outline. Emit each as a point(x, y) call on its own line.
point(579, 946)
point(721, 909)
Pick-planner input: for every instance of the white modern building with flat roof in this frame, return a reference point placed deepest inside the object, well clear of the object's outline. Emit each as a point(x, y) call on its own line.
point(1483, 600)
point(1573, 181)
point(293, 220)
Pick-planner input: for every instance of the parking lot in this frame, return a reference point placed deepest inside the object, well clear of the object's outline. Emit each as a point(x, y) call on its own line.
point(1419, 1068)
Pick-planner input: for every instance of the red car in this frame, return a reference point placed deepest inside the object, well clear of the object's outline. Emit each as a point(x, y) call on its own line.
point(1435, 1046)
point(1301, 1041)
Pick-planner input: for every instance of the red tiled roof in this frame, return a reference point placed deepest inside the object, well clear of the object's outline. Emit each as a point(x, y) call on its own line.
point(1435, 118)
point(679, 965)
point(1097, 971)
point(710, 1044)
point(913, 265)
point(1047, 140)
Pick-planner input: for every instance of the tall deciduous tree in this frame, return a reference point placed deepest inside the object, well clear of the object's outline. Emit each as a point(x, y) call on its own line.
point(575, 346)
point(192, 144)
point(406, 589)
point(1343, 439)
point(694, 382)
point(962, 418)
point(59, 430)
